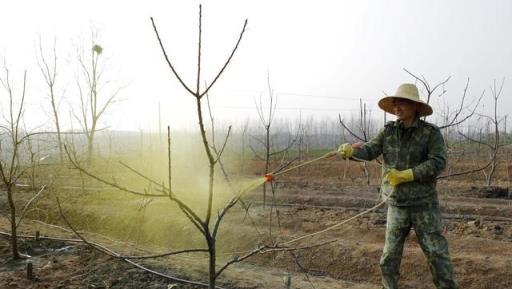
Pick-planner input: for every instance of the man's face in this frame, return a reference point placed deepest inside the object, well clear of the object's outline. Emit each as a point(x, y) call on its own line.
point(404, 109)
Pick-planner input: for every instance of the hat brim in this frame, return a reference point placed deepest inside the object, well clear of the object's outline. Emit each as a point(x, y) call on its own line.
point(386, 104)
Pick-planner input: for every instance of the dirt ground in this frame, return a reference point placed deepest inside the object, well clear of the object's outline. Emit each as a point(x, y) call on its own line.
point(60, 264)
point(477, 225)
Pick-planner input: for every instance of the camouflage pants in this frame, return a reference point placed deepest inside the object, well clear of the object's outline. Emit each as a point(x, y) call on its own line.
point(426, 221)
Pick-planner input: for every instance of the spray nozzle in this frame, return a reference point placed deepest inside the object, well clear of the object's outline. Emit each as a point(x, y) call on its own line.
point(269, 178)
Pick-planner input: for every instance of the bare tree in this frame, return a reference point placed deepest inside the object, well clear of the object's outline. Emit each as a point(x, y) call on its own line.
point(12, 164)
point(94, 101)
point(270, 150)
point(267, 119)
point(205, 225)
point(453, 119)
point(363, 134)
point(493, 143)
point(495, 121)
point(48, 68)
point(213, 156)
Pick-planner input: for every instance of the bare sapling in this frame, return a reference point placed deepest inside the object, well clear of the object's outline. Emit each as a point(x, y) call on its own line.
point(362, 134)
point(270, 152)
point(49, 69)
point(493, 142)
point(15, 164)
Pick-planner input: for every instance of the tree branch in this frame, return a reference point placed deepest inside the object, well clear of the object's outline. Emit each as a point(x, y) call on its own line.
point(167, 58)
point(227, 61)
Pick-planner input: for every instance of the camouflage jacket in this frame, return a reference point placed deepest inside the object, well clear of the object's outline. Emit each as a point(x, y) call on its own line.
point(420, 148)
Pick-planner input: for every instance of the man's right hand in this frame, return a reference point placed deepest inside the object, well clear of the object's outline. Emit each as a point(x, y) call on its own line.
point(345, 150)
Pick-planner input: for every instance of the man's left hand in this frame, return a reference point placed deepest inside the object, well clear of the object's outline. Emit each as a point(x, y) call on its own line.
point(396, 177)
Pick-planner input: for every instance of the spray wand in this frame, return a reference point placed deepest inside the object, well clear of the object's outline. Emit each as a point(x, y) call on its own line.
point(271, 176)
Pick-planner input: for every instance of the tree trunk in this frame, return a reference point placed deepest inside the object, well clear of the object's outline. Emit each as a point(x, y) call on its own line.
point(57, 126)
point(14, 236)
point(90, 144)
point(212, 271)
point(267, 162)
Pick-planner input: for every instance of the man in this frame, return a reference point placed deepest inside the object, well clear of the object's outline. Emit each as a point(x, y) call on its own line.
point(414, 154)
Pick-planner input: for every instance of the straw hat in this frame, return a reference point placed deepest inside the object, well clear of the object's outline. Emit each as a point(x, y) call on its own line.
point(406, 91)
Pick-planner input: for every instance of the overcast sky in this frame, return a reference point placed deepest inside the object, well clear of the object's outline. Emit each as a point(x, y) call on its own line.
point(322, 56)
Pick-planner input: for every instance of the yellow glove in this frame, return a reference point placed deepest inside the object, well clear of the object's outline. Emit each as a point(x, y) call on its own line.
point(396, 177)
point(345, 150)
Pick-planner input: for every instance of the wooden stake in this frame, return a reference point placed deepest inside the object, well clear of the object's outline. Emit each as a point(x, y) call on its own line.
point(30, 272)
